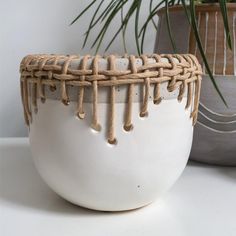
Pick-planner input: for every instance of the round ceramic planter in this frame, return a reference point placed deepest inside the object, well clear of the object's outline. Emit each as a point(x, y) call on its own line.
point(215, 130)
point(123, 135)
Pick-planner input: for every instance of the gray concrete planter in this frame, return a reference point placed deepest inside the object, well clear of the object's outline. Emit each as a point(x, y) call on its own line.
point(215, 133)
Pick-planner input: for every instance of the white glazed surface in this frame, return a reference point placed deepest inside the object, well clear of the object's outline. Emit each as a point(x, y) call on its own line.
point(83, 168)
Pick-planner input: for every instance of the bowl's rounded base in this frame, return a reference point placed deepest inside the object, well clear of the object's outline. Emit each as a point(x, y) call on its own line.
point(79, 164)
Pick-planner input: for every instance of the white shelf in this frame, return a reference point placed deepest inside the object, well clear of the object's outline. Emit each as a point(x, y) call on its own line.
point(202, 202)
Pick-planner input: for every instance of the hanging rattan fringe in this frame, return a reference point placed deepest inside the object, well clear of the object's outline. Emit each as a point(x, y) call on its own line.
point(180, 71)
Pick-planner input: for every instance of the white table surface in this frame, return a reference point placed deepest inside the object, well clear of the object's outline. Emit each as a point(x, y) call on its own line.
point(202, 202)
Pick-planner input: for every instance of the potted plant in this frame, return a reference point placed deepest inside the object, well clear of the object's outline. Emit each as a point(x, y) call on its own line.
point(122, 133)
point(110, 133)
point(205, 28)
point(215, 131)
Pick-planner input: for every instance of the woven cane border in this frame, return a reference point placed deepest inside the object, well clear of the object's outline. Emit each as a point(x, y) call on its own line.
point(180, 71)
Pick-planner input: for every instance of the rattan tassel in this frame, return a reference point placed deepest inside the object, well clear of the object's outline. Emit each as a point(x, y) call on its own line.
point(196, 100)
point(26, 100)
point(41, 86)
point(181, 91)
point(41, 90)
point(128, 126)
point(64, 95)
point(23, 100)
point(80, 110)
point(172, 84)
point(197, 89)
point(34, 96)
point(144, 107)
point(111, 121)
point(157, 89)
point(157, 94)
point(95, 124)
point(189, 95)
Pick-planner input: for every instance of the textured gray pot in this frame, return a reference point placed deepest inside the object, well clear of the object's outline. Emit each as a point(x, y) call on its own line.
point(215, 133)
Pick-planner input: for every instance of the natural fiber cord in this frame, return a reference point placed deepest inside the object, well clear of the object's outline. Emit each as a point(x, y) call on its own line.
point(182, 72)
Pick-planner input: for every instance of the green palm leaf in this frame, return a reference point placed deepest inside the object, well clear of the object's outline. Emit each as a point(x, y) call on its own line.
point(113, 7)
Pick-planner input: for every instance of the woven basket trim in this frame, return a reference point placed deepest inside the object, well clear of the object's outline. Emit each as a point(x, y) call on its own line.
point(182, 72)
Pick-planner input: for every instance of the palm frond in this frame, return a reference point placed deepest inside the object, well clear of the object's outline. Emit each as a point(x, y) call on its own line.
point(110, 11)
point(83, 12)
point(167, 17)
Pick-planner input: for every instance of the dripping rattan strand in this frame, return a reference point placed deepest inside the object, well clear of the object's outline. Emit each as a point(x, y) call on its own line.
point(180, 71)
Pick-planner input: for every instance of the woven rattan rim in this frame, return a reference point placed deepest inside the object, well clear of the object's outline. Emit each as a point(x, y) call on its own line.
point(180, 71)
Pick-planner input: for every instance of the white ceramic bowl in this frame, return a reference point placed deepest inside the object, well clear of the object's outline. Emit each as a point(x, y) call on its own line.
point(80, 165)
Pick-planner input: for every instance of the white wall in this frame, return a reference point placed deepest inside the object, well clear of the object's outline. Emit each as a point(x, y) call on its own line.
point(41, 26)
